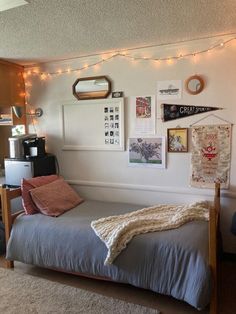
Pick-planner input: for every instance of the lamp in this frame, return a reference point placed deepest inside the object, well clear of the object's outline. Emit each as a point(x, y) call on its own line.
point(18, 111)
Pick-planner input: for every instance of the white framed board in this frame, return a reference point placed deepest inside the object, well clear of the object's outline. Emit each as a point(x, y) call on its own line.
point(94, 125)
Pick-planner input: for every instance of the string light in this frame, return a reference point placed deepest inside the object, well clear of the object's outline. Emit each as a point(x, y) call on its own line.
point(43, 76)
point(97, 67)
point(125, 54)
point(22, 94)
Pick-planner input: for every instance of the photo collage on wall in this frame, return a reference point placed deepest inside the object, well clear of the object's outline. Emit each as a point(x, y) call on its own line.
point(112, 125)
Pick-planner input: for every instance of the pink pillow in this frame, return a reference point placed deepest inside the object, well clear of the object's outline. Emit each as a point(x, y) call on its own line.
point(55, 198)
point(29, 184)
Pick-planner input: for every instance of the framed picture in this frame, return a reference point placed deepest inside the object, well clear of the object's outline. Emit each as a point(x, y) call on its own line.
point(147, 152)
point(177, 140)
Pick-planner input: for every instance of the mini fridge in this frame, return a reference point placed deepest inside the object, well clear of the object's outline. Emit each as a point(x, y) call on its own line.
point(16, 169)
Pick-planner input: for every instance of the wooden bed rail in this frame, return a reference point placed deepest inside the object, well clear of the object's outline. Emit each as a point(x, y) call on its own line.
point(6, 196)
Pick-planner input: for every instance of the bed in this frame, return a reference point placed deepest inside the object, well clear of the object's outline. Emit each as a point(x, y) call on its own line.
point(172, 262)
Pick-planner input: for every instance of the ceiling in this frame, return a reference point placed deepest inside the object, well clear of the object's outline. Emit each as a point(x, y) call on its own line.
point(49, 30)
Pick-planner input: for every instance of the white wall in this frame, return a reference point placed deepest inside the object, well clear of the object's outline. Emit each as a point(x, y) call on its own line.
point(106, 175)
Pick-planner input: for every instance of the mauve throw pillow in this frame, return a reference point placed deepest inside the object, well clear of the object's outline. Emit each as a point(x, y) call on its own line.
point(55, 198)
point(29, 184)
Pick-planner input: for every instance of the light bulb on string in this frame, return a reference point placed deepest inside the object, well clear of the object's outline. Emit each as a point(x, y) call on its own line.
point(43, 76)
point(28, 84)
point(194, 58)
point(123, 53)
point(103, 57)
point(22, 94)
point(134, 61)
point(97, 67)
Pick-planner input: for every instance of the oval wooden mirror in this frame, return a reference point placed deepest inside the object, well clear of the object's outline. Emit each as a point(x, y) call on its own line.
point(194, 84)
point(94, 87)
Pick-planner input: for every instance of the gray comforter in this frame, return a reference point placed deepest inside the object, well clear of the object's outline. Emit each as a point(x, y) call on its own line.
point(173, 262)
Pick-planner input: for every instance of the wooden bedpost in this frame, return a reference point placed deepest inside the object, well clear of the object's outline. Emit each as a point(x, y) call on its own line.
point(1, 204)
point(213, 248)
point(8, 218)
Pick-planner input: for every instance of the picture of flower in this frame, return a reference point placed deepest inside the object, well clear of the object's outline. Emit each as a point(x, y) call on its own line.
point(147, 152)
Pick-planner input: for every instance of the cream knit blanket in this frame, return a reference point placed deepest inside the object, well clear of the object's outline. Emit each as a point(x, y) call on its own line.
point(117, 231)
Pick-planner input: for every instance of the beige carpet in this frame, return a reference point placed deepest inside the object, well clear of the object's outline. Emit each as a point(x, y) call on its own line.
point(23, 294)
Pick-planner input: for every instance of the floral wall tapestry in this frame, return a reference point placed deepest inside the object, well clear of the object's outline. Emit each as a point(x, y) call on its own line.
point(211, 153)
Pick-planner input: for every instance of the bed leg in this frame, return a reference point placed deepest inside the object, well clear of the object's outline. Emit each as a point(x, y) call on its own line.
point(214, 302)
point(9, 264)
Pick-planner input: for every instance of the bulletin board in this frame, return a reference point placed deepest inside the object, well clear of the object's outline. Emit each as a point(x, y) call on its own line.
point(93, 125)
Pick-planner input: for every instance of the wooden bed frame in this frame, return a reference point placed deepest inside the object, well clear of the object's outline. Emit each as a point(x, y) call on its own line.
point(8, 218)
